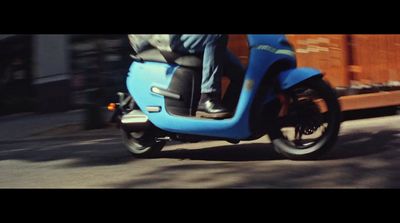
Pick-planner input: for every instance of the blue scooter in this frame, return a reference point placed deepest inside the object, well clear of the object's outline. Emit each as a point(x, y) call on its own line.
point(295, 107)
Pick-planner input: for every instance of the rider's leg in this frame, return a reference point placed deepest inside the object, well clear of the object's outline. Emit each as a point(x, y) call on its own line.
point(214, 49)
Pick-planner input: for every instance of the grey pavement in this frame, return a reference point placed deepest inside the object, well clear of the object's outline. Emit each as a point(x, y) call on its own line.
point(27, 126)
point(367, 155)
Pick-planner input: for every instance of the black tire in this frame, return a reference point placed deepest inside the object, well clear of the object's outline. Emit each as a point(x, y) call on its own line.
point(332, 119)
point(142, 144)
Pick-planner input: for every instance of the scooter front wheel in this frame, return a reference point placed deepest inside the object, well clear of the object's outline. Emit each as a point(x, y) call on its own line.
point(142, 144)
point(311, 125)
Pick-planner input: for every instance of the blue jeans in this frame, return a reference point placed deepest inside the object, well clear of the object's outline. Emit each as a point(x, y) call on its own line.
point(216, 58)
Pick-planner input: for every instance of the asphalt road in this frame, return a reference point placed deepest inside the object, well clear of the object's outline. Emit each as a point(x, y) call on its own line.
point(367, 155)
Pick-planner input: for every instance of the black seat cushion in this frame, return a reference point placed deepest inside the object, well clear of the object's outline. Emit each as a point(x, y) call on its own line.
point(170, 58)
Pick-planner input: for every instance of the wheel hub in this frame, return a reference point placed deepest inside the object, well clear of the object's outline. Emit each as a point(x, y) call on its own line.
point(308, 117)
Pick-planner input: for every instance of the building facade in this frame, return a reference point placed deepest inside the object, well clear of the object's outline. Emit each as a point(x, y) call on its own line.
point(50, 73)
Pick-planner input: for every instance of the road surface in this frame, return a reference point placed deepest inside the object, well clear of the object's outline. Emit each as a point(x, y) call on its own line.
point(367, 155)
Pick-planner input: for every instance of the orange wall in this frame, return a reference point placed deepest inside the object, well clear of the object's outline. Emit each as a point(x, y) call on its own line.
point(378, 58)
point(344, 59)
point(325, 52)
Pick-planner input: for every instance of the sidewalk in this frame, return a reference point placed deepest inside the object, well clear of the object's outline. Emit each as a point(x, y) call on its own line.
point(29, 126)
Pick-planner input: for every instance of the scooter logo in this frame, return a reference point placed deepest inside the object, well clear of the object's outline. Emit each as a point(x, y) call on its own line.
point(275, 50)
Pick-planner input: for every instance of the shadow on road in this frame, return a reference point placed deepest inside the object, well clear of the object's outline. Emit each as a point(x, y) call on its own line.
point(347, 146)
point(364, 144)
point(361, 160)
point(110, 151)
point(88, 152)
point(242, 152)
point(358, 160)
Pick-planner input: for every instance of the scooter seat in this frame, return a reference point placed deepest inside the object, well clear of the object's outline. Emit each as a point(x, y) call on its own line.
point(169, 57)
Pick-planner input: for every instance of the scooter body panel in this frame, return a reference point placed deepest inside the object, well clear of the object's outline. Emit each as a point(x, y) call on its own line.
point(265, 51)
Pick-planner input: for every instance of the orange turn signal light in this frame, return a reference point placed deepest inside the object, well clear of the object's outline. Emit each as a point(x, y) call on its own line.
point(112, 106)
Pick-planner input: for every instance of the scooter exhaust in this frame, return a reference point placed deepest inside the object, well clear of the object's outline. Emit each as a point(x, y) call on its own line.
point(135, 121)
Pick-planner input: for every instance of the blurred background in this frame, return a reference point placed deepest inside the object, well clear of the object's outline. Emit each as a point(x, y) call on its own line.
point(54, 73)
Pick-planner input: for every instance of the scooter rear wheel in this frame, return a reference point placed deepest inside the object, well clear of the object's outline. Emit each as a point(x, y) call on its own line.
point(312, 124)
point(142, 144)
